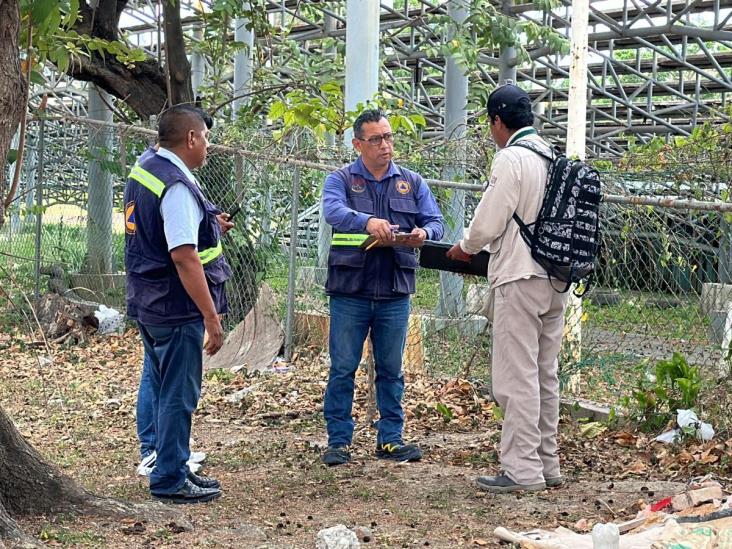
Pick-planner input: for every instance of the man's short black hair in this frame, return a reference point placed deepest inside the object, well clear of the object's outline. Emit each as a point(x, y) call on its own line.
point(513, 105)
point(176, 121)
point(366, 117)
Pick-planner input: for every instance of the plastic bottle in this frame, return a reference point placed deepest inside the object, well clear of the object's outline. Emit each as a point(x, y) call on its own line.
point(605, 536)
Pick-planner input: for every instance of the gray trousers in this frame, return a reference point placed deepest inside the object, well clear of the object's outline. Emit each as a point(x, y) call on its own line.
point(528, 322)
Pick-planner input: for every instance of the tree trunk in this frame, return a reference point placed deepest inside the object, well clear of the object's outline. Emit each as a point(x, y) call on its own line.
point(142, 87)
point(176, 61)
point(28, 485)
point(12, 87)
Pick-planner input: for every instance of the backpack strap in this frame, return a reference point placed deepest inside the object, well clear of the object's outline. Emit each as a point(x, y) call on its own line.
point(526, 144)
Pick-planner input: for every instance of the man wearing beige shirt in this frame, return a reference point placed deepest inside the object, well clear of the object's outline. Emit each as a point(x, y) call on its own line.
point(528, 312)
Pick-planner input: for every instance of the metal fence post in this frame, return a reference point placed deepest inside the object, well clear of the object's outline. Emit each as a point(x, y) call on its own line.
point(39, 208)
point(291, 278)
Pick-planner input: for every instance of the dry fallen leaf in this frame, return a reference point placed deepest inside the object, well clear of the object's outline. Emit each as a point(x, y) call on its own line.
point(636, 468)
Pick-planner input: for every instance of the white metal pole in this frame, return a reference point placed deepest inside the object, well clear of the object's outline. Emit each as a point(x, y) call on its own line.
point(456, 119)
point(242, 64)
point(362, 54)
point(198, 69)
point(576, 138)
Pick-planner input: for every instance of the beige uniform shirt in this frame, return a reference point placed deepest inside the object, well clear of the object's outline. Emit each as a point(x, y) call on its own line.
point(516, 184)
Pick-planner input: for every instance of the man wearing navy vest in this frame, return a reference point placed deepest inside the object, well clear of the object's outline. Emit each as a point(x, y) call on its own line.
point(370, 289)
point(175, 290)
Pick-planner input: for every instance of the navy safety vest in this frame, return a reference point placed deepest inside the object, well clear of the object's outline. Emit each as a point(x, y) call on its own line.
point(379, 273)
point(155, 293)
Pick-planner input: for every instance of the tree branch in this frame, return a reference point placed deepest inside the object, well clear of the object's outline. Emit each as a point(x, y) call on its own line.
point(23, 121)
point(177, 67)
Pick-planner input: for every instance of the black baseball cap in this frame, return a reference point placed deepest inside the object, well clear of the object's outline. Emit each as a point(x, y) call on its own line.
point(507, 95)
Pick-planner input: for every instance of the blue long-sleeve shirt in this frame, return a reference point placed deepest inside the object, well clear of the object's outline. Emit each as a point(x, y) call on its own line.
point(342, 218)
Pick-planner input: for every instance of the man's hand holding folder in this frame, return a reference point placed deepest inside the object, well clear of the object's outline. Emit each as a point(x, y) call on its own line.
point(383, 233)
point(456, 253)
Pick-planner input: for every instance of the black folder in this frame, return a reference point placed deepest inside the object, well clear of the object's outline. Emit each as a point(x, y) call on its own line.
point(432, 256)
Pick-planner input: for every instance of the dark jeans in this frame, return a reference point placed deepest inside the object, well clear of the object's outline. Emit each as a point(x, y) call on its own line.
point(176, 359)
point(350, 320)
point(146, 412)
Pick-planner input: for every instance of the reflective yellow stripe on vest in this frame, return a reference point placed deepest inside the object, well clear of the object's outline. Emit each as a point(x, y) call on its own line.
point(348, 239)
point(147, 180)
point(209, 254)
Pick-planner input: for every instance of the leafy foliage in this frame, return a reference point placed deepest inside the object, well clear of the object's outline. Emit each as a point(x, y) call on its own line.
point(709, 146)
point(324, 113)
point(48, 25)
point(673, 385)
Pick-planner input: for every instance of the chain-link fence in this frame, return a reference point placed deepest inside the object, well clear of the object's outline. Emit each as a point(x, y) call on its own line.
point(662, 284)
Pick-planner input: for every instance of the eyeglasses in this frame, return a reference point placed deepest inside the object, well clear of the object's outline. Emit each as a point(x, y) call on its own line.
point(376, 139)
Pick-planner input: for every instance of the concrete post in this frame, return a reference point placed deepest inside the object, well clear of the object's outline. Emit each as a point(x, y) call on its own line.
point(362, 55)
point(507, 59)
point(576, 139)
point(198, 67)
point(242, 64)
point(100, 198)
point(456, 118)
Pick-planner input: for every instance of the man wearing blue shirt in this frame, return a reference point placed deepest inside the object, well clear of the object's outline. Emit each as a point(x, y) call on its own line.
point(369, 289)
point(176, 272)
point(178, 198)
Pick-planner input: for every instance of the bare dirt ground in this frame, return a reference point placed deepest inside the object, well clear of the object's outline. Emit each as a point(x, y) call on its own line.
point(78, 410)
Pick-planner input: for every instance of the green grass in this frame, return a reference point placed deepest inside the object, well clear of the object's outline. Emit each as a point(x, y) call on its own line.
point(61, 243)
point(64, 536)
point(642, 314)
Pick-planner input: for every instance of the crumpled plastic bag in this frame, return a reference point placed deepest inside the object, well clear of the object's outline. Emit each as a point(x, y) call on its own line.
point(688, 422)
point(111, 321)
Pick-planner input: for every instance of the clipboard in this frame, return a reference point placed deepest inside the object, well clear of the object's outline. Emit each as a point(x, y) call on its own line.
point(432, 255)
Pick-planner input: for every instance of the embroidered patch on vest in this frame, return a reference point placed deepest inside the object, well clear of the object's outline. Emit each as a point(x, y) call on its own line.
point(130, 226)
point(403, 186)
point(358, 186)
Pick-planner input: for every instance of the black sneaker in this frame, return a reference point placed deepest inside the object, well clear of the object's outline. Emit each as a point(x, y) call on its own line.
point(397, 451)
point(336, 455)
point(203, 482)
point(189, 493)
point(553, 482)
point(502, 484)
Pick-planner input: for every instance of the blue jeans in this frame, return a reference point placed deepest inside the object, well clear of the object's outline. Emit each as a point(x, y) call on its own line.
point(146, 412)
point(176, 361)
point(350, 321)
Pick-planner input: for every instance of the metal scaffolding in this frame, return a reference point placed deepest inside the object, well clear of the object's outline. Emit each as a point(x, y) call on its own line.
point(656, 67)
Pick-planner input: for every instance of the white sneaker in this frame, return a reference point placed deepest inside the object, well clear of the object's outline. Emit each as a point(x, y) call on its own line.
point(197, 457)
point(148, 463)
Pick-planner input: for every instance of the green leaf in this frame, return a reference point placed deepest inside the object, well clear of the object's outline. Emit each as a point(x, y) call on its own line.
point(418, 119)
point(395, 122)
point(37, 78)
point(41, 10)
point(12, 156)
point(73, 14)
point(277, 109)
point(592, 429)
point(445, 412)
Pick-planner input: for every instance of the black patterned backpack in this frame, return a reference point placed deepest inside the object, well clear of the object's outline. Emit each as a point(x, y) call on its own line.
point(565, 238)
